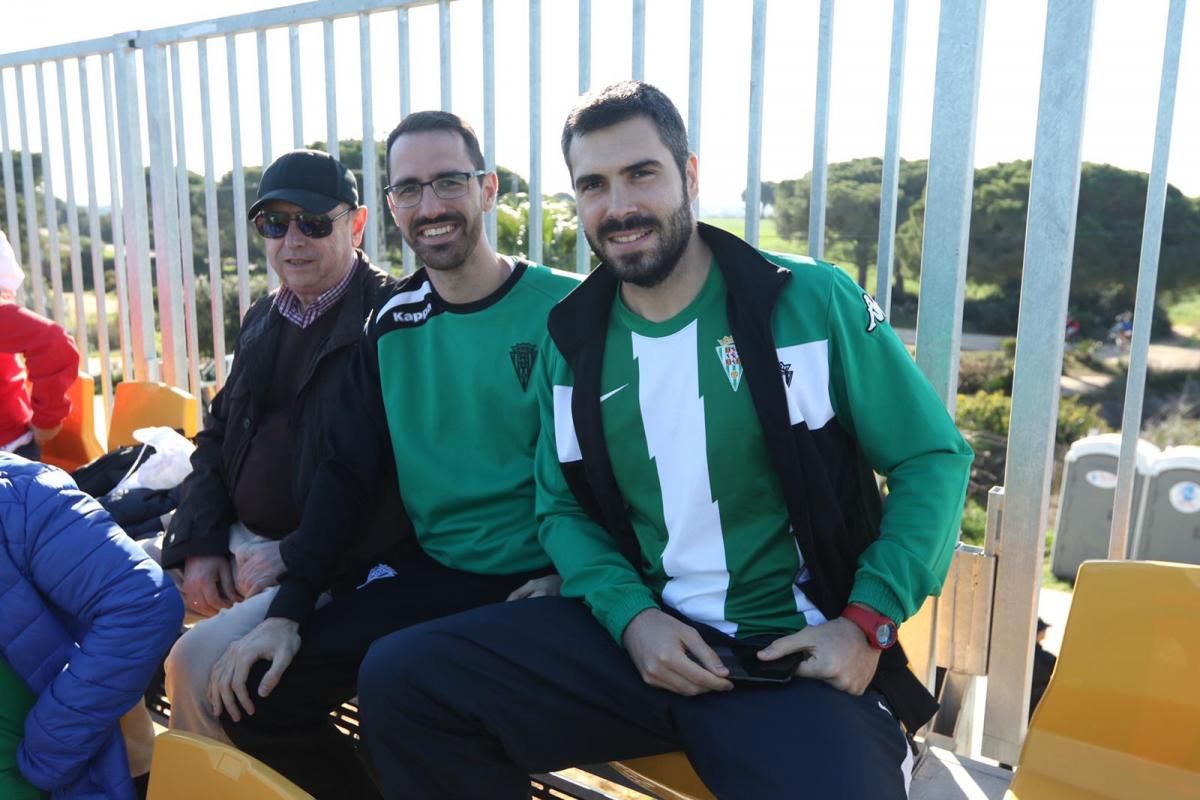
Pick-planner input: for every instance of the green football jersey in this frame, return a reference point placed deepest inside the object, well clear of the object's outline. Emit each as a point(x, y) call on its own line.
point(456, 382)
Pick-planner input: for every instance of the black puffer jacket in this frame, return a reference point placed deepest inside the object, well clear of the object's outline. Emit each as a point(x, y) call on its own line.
point(201, 524)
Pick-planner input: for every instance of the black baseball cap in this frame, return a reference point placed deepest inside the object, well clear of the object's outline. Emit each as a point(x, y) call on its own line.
point(312, 179)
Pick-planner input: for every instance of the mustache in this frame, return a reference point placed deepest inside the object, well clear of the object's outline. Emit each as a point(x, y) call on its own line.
point(440, 219)
point(611, 226)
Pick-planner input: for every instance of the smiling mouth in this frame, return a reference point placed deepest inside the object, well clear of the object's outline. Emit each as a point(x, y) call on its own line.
point(629, 238)
point(438, 231)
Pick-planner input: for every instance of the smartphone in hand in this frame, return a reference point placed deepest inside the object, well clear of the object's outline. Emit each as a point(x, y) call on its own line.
point(744, 665)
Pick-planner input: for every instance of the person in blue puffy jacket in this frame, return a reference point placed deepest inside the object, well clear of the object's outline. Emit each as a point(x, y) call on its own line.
point(85, 619)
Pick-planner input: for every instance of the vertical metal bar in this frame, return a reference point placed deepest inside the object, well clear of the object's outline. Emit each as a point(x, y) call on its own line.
point(1156, 197)
point(137, 250)
point(297, 94)
point(447, 85)
point(81, 337)
point(889, 190)
point(583, 251)
point(239, 180)
point(212, 224)
point(489, 103)
point(51, 205)
point(97, 243)
point(10, 181)
point(948, 194)
point(370, 165)
point(264, 115)
point(409, 259)
point(117, 218)
point(187, 260)
point(37, 277)
point(164, 214)
point(820, 168)
point(639, 40)
point(535, 131)
point(331, 134)
point(695, 74)
point(758, 47)
point(1045, 285)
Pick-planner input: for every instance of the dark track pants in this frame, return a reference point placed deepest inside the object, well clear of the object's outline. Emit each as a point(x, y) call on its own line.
point(468, 706)
point(291, 729)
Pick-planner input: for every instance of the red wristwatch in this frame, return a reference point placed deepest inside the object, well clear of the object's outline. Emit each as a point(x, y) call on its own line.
point(881, 632)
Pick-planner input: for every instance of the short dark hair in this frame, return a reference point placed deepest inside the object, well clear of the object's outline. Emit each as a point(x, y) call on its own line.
point(621, 101)
point(426, 121)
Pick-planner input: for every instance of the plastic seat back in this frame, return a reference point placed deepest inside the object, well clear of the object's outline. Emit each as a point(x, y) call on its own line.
point(190, 767)
point(670, 776)
point(76, 444)
point(1121, 717)
point(142, 404)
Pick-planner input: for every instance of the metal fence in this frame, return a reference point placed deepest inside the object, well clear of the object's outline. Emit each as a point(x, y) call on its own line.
point(140, 78)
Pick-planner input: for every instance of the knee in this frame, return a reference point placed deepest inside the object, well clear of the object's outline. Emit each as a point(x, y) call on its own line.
point(399, 662)
point(187, 665)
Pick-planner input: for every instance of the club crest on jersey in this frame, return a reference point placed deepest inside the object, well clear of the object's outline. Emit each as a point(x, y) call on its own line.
point(731, 362)
point(875, 314)
point(523, 354)
point(786, 371)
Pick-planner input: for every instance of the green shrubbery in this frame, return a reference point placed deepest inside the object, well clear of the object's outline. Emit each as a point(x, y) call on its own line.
point(989, 411)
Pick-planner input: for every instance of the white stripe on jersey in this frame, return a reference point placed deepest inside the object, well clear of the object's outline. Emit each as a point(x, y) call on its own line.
point(565, 440)
point(808, 393)
point(673, 417)
point(404, 299)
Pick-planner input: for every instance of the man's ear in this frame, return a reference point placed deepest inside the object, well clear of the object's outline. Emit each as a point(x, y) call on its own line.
point(358, 225)
point(490, 190)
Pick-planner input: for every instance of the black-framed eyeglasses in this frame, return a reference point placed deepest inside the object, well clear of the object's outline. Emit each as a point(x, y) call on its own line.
point(274, 224)
point(448, 187)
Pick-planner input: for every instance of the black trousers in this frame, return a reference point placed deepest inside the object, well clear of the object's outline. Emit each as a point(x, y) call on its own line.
point(468, 706)
point(291, 729)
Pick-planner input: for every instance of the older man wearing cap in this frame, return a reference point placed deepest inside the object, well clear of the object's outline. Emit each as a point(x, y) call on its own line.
point(50, 363)
point(255, 460)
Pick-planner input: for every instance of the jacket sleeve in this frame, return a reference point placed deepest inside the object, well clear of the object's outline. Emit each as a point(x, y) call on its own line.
point(885, 402)
point(51, 361)
point(200, 525)
point(125, 613)
point(584, 553)
point(356, 442)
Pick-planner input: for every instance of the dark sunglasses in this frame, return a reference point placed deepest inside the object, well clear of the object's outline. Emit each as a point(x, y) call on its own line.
point(274, 224)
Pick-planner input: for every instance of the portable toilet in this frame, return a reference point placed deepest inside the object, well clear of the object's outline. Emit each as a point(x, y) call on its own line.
point(1168, 519)
point(1085, 499)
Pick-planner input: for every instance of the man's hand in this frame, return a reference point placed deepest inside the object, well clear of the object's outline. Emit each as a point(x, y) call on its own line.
point(545, 586)
point(840, 656)
point(208, 584)
point(258, 567)
point(43, 435)
point(275, 639)
point(672, 656)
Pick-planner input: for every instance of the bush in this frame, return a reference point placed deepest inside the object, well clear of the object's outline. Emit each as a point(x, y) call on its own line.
point(990, 411)
point(984, 372)
point(233, 320)
point(974, 522)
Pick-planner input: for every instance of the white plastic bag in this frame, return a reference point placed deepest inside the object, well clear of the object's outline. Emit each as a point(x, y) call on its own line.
point(166, 468)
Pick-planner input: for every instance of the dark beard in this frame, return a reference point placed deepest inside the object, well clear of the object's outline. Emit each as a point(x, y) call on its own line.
point(647, 269)
point(452, 255)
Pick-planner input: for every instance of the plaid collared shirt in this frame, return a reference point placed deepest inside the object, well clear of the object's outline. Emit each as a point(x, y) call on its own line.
point(289, 305)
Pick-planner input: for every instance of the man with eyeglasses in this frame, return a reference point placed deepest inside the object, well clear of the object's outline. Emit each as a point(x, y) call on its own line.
point(441, 389)
point(256, 458)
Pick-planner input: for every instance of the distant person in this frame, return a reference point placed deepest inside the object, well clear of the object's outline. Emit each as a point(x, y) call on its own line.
point(1043, 668)
point(256, 458)
point(33, 350)
point(85, 619)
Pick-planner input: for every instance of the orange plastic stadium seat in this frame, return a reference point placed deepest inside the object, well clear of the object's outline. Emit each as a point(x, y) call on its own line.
point(670, 776)
point(142, 404)
point(190, 767)
point(76, 444)
point(1121, 717)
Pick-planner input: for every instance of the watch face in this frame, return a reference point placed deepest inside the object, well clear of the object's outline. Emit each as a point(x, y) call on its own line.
point(885, 635)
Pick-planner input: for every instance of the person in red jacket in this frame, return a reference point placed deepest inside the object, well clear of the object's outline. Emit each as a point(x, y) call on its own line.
point(36, 349)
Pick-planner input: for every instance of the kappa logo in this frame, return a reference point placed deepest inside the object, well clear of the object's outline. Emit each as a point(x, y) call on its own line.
point(523, 355)
point(786, 371)
point(413, 316)
point(875, 314)
point(731, 362)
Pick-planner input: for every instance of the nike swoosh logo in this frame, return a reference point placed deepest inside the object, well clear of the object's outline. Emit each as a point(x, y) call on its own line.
point(604, 397)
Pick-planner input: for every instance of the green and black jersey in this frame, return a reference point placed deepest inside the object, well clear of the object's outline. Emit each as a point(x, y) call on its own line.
point(446, 390)
point(690, 458)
